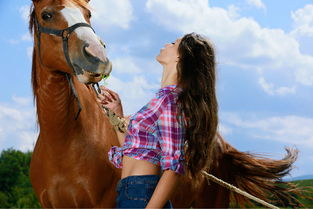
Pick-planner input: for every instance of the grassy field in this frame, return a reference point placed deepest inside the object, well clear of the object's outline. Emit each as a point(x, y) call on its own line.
point(300, 183)
point(308, 203)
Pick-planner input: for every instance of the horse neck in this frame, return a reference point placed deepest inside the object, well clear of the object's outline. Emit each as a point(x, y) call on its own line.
point(56, 105)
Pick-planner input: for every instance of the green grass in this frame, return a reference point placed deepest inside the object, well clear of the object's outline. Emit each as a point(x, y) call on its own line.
point(300, 183)
point(307, 202)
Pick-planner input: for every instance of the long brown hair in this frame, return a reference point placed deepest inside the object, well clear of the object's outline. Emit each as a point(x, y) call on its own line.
point(197, 101)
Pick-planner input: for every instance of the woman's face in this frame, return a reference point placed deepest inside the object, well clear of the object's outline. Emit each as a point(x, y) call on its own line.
point(169, 54)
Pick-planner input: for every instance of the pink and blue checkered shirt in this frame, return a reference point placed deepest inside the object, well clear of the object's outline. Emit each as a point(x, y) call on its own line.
point(154, 133)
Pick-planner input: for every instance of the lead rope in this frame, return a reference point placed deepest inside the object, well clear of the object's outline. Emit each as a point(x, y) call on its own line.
point(119, 123)
point(239, 191)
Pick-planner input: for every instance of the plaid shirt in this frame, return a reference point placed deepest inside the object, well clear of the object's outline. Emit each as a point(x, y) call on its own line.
point(154, 133)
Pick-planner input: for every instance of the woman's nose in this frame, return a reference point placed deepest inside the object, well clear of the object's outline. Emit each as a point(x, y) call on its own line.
point(168, 44)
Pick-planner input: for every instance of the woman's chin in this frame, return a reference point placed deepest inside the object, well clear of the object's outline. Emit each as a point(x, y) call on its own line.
point(159, 59)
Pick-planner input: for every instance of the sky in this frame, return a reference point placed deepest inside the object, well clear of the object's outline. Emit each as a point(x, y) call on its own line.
point(264, 66)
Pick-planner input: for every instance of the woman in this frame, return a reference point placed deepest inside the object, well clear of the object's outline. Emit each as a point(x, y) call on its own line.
point(172, 134)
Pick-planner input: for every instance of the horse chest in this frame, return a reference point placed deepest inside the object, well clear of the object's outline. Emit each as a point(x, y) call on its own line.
point(64, 179)
point(65, 192)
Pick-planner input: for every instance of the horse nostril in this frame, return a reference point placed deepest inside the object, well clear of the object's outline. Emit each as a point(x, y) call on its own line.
point(102, 43)
point(89, 54)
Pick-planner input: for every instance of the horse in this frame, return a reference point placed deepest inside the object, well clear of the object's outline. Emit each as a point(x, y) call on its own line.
point(70, 166)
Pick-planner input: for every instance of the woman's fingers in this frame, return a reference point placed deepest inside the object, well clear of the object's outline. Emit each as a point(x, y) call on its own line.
point(106, 96)
point(113, 94)
point(101, 102)
point(102, 87)
point(109, 93)
point(110, 99)
point(101, 97)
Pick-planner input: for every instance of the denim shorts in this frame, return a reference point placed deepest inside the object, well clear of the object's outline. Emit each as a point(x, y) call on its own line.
point(136, 191)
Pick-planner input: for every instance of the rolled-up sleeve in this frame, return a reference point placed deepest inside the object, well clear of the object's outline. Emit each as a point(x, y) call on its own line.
point(171, 140)
point(115, 156)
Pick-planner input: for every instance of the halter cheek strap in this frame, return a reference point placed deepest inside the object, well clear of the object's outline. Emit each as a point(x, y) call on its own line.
point(64, 34)
point(70, 81)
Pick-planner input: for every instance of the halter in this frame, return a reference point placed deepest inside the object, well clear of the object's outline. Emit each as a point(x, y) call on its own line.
point(64, 34)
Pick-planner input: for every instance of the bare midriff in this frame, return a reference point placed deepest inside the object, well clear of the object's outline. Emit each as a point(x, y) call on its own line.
point(134, 167)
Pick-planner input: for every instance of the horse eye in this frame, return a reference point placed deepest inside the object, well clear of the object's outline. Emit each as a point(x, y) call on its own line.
point(46, 16)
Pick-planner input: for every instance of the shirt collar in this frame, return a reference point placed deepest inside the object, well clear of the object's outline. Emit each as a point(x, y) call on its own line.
point(167, 89)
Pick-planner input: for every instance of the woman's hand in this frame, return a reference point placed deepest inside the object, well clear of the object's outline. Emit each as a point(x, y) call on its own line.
point(111, 100)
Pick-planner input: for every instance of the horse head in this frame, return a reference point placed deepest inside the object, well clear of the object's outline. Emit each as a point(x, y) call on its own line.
point(65, 40)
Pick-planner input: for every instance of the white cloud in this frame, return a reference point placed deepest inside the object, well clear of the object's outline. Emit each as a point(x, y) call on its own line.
point(290, 129)
point(303, 28)
point(233, 11)
point(22, 100)
point(17, 122)
point(240, 41)
point(256, 3)
point(27, 37)
point(1, 133)
point(24, 38)
point(110, 13)
point(24, 12)
point(224, 129)
point(29, 140)
point(303, 16)
point(271, 90)
point(125, 65)
point(29, 52)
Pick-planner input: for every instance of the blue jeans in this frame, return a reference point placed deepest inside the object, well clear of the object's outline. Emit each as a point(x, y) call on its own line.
point(136, 191)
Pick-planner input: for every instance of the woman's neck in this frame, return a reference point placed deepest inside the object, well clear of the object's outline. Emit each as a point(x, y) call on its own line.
point(169, 76)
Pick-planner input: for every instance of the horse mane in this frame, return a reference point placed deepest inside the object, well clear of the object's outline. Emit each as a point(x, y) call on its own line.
point(31, 30)
point(82, 3)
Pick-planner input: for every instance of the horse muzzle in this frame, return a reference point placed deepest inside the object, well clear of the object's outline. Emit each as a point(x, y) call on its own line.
point(91, 64)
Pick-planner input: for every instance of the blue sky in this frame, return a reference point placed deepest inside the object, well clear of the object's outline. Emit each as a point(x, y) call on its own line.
point(265, 73)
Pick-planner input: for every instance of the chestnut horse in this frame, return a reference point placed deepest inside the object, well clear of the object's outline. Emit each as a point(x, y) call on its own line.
point(70, 166)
